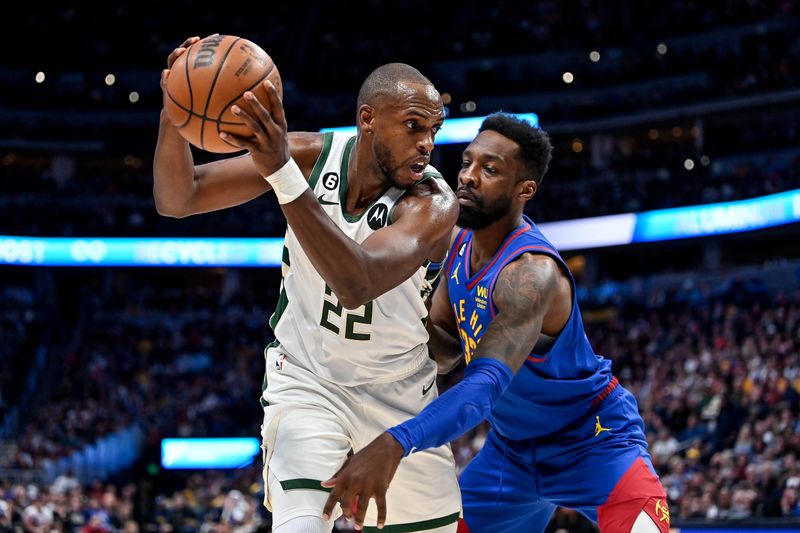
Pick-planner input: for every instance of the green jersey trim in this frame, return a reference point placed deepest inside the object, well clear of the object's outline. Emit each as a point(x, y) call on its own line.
point(301, 483)
point(273, 344)
point(327, 141)
point(423, 525)
point(343, 185)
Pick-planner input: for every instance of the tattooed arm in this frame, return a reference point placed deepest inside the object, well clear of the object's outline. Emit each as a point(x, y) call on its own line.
point(531, 295)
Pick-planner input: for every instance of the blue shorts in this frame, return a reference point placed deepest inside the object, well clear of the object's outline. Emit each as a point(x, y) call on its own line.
point(598, 465)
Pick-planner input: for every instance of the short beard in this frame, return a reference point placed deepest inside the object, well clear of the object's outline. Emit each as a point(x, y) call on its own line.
point(383, 156)
point(478, 217)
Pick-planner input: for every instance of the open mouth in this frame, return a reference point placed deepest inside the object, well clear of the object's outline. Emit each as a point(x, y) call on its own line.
point(418, 168)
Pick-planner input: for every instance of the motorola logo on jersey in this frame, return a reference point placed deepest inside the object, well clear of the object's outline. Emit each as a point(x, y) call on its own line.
point(330, 180)
point(377, 215)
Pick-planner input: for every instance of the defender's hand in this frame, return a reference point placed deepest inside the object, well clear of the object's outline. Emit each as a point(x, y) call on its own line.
point(364, 476)
point(269, 144)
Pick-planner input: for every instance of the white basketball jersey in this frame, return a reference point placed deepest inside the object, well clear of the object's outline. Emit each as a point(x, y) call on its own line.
point(381, 341)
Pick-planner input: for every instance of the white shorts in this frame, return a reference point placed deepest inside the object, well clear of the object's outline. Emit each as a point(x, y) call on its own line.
point(310, 426)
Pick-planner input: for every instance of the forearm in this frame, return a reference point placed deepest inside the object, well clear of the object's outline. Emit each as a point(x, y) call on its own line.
point(342, 263)
point(458, 410)
point(357, 272)
point(173, 171)
point(445, 349)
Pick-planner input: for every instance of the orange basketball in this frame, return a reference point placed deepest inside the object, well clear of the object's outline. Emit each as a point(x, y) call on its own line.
point(207, 79)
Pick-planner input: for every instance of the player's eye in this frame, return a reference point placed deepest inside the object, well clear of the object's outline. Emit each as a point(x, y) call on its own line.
point(465, 163)
point(490, 169)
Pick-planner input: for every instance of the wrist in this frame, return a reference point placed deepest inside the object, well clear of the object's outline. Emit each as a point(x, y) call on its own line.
point(394, 448)
point(164, 117)
point(400, 440)
point(288, 182)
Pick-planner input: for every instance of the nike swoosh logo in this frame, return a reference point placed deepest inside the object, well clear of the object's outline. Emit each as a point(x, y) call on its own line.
point(325, 202)
point(429, 387)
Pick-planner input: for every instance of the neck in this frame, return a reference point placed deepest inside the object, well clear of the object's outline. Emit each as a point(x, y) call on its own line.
point(487, 241)
point(365, 180)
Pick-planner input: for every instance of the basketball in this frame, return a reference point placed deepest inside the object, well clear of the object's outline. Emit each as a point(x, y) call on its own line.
point(207, 79)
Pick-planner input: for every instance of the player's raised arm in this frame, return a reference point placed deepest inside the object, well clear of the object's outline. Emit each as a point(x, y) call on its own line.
point(181, 188)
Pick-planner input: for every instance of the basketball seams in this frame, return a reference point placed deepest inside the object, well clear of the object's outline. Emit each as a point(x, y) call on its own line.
point(211, 91)
point(202, 125)
point(189, 78)
point(182, 108)
point(198, 115)
point(226, 106)
point(253, 86)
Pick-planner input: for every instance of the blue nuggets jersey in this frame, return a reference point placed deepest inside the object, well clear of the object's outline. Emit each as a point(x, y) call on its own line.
point(552, 389)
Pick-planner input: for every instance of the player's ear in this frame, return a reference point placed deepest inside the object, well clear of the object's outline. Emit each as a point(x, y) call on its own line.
point(366, 118)
point(527, 189)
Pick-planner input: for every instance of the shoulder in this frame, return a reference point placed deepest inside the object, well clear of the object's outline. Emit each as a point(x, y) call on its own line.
point(306, 147)
point(527, 282)
point(432, 196)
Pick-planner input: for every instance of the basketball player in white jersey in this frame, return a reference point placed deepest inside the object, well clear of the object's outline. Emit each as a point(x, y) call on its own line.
point(368, 221)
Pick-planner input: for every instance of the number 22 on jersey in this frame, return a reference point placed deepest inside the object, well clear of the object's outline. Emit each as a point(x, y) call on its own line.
point(352, 318)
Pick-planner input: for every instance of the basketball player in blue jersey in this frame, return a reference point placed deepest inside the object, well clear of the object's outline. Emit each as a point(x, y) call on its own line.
point(564, 431)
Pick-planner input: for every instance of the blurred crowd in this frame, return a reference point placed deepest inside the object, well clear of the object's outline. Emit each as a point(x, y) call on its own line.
point(20, 330)
point(93, 204)
point(516, 49)
point(212, 502)
point(179, 361)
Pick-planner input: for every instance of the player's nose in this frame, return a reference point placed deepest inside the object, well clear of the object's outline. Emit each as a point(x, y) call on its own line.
point(468, 176)
point(425, 143)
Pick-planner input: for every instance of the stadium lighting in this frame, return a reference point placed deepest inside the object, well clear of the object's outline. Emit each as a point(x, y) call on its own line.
point(568, 77)
point(594, 232)
point(197, 453)
point(133, 97)
point(39, 77)
point(594, 56)
point(454, 131)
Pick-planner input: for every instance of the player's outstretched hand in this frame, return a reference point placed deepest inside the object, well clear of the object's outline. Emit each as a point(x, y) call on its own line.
point(269, 144)
point(364, 476)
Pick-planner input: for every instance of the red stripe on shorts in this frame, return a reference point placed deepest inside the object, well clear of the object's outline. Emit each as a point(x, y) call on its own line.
point(637, 490)
point(608, 390)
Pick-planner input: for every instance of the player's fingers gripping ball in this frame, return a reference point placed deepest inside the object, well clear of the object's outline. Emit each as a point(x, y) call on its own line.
point(210, 77)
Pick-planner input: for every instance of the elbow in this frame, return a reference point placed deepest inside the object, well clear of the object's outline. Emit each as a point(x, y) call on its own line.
point(447, 366)
point(169, 209)
point(352, 301)
point(353, 296)
point(356, 286)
